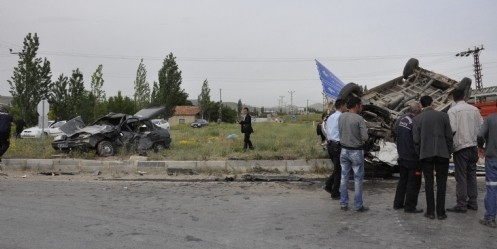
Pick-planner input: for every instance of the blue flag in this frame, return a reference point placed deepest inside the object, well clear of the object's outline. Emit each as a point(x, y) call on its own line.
point(331, 84)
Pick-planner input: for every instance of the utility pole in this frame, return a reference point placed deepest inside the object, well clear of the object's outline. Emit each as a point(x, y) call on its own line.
point(281, 103)
point(307, 109)
point(477, 66)
point(220, 108)
point(291, 101)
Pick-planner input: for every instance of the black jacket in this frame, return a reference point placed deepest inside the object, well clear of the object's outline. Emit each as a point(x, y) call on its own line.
point(246, 124)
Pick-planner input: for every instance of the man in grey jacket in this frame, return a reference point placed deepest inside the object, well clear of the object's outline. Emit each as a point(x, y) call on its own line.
point(432, 137)
point(465, 121)
point(487, 147)
point(353, 134)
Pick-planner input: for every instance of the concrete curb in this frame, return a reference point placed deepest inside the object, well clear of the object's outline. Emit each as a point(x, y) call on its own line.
point(140, 164)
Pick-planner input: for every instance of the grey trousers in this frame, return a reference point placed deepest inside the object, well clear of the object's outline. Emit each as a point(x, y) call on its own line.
point(465, 173)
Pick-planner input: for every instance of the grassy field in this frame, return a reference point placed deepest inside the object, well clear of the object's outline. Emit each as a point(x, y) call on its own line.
point(272, 141)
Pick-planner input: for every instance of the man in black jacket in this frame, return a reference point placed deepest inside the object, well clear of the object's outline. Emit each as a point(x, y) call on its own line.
point(246, 126)
point(5, 123)
point(406, 195)
point(432, 137)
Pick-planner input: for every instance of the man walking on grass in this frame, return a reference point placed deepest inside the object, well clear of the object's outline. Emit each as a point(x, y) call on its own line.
point(353, 135)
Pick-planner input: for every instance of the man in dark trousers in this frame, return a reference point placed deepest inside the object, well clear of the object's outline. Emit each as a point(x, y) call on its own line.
point(487, 148)
point(465, 121)
point(406, 196)
point(432, 137)
point(246, 126)
point(353, 135)
point(20, 124)
point(332, 184)
point(5, 123)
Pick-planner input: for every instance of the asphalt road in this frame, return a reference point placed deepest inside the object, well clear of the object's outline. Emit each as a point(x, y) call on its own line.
point(76, 212)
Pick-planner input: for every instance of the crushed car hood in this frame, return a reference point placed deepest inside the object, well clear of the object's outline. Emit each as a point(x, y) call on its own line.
point(76, 125)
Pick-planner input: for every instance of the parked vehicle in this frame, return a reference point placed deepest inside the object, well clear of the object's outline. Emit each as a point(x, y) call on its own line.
point(161, 123)
point(199, 123)
point(53, 130)
point(106, 134)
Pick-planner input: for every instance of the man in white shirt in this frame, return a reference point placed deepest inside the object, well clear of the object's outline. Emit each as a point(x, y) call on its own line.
point(332, 184)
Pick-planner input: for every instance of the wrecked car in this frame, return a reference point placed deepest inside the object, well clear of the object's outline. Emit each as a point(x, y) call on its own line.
point(385, 103)
point(112, 131)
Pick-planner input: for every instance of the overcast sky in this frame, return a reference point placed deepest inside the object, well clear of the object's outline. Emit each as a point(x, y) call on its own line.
point(254, 50)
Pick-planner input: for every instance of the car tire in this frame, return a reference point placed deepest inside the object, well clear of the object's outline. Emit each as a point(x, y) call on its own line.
point(348, 90)
point(465, 85)
point(105, 148)
point(410, 66)
point(159, 147)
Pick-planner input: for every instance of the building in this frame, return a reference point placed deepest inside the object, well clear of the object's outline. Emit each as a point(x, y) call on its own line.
point(184, 115)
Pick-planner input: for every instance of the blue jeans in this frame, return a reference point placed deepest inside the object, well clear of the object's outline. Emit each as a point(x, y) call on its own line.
point(351, 160)
point(491, 195)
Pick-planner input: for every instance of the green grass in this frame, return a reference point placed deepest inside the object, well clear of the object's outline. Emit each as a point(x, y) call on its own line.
point(272, 141)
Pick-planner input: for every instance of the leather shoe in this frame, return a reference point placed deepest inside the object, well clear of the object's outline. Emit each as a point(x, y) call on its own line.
point(362, 209)
point(344, 208)
point(397, 208)
point(430, 216)
point(472, 208)
point(457, 209)
point(442, 217)
point(413, 211)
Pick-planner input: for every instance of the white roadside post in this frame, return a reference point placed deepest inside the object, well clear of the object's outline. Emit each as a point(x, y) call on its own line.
point(43, 108)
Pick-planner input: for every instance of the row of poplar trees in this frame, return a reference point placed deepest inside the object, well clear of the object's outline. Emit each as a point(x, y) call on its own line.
point(32, 82)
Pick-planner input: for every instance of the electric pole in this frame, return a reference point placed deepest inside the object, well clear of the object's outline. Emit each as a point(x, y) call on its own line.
point(220, 107)
point(477, 66)
point(291, 101)
point(281, 103)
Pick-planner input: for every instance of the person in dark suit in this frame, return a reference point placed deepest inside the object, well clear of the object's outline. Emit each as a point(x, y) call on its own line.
point(246, 126)
point(20, 124)
point(5, 124)
point(432, 136)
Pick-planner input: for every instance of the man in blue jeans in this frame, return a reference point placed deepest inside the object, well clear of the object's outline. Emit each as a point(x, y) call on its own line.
point(487, 147)
point(353, 134)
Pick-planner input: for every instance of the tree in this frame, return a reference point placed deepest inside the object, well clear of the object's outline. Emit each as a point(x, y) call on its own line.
point(97, 94)
point(239, 106)
point(59, 99)
point(142, 88)
point(79, 97)
point(120, 104)
point(168, 91)
point(365, 88)
point(229, 115)
point(204, 99)
point(31, 80)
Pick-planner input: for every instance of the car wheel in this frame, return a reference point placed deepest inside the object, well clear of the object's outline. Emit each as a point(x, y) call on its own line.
point(410, 66)
point(105, 148)
point(348, 90)
point(159, 146)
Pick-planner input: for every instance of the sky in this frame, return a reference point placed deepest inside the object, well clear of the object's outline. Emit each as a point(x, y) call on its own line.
point(259, 51)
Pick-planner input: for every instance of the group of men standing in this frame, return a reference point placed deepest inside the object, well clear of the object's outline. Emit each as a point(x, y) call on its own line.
point(426, 139)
